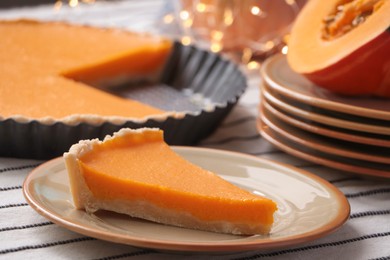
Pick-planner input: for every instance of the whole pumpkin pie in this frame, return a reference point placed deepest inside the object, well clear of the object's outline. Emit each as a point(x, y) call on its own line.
point(136, 173)
point(48, 70)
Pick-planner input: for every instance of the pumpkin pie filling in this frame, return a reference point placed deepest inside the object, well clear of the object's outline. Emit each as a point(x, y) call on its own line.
point(50, 67)
point(135, 172)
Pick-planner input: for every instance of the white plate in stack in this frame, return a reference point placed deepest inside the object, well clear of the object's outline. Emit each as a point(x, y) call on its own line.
point(346, 133)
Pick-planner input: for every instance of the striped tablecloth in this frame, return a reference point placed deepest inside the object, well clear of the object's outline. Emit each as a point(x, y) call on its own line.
point(24, 234)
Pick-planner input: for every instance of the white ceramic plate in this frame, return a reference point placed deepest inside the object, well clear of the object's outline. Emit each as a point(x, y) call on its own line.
point(337, 133)
point(335, 162)
point(279, 76)
point(274, 98)
point(326, 145)
point(308, 206)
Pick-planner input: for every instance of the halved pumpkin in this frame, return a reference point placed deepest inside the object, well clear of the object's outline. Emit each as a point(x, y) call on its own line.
point(343, 46)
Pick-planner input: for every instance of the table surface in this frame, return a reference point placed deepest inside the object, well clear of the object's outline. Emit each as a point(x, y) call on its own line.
point(24, 234)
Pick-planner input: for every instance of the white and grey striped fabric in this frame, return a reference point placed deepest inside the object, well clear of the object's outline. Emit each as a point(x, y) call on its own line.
point(24, 234)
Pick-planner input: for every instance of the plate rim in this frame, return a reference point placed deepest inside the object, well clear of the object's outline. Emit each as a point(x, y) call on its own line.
point(317, 101)
point(265, 130)
point(327, 120)
point(227, 246)
point(323, 130)
point(296, 136)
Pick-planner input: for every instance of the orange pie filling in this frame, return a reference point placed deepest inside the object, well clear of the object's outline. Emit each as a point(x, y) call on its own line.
point(50, 67)
point(137, 173)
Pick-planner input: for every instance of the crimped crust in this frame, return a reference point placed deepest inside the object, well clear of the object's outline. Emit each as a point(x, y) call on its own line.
point(96, 120)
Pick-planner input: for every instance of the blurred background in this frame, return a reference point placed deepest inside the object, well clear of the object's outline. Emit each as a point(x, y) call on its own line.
point(244, 30)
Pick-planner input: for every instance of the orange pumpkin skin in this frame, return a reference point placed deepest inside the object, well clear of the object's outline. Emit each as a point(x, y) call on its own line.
point(366, 71)
point(355, 62)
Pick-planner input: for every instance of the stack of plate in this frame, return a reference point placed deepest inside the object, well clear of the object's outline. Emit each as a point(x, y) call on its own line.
point(346, 133)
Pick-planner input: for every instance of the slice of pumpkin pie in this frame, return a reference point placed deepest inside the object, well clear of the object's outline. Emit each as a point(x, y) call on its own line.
point(136, 173)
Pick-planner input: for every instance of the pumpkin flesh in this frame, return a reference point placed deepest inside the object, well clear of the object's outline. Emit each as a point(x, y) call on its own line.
point(343, 46)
